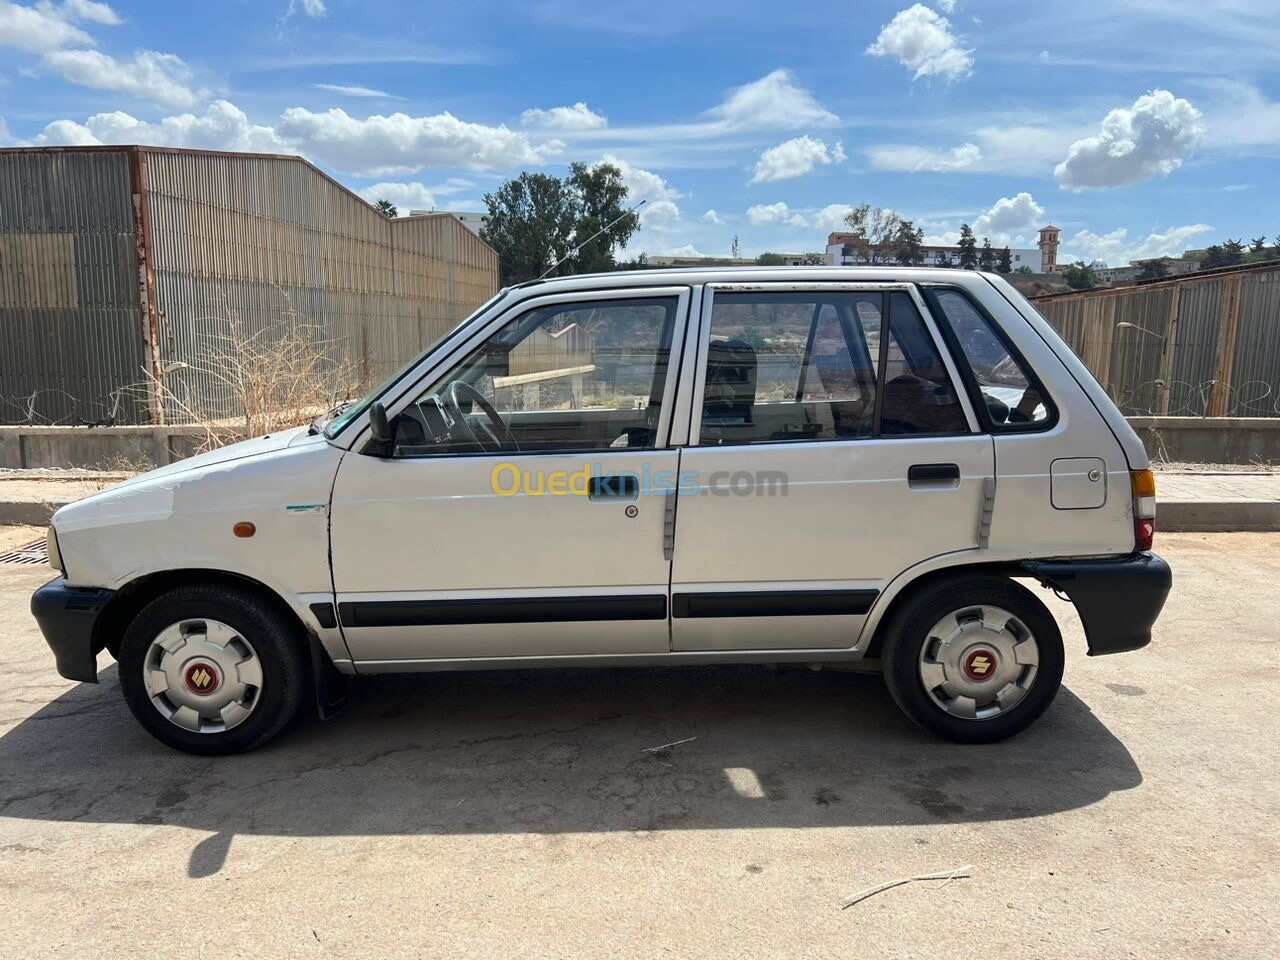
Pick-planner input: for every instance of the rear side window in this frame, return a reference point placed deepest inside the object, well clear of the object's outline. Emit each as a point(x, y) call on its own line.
point(1013, 398)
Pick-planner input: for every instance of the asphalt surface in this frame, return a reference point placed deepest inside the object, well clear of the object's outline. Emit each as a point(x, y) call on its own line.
point(520, 814)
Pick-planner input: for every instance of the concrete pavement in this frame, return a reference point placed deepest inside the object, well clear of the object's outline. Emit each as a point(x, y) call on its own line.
point(520, 814)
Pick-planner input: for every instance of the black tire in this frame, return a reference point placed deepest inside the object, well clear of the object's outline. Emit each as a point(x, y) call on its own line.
point(275, 638)
point(907, 632)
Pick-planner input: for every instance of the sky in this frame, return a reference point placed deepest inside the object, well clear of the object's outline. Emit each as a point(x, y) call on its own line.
point(1138, 127)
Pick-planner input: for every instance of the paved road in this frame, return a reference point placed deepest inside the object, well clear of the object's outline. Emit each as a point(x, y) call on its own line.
point(518, 814)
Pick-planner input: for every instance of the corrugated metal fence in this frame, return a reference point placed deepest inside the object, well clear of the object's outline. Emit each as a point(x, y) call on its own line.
point(1195, 346)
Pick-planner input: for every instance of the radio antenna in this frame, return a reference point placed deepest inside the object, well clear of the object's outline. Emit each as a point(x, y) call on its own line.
point(592, 237)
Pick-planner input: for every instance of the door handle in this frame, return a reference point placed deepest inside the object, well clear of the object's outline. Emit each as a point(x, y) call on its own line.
point(933, 474)
point(614, 486)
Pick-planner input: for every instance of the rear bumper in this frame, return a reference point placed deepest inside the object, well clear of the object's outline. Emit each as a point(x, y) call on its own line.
point(1118, 599)
point(67, 618)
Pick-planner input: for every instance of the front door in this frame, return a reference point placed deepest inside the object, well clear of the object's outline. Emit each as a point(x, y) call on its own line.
point(832, 449)
point(513, 515)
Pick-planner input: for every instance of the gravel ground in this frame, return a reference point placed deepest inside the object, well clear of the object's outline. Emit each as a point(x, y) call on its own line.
point(519, 814)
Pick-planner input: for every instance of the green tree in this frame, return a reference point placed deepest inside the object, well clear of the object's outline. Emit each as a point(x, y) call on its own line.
point(1024, 269)
point(1234, 252)
point(1080, 276)
point(735, 250)
point(1004, 262)
point(537, 220)
point(387, 208)
point(813, 259)
point(968, 248)
point(906, 244)
point(1214, 257)
point(986, 259)
point(1153, 269)
point(874, 228)
point(945, 261)
point(1259, 245)
point(768, 259)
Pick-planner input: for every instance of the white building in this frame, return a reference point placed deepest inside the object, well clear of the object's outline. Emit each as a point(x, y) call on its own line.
point(843, 249)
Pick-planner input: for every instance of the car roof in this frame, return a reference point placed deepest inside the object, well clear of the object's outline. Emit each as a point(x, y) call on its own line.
point(667, 276)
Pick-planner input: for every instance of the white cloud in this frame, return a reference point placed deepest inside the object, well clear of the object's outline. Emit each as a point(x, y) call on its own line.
point(356, 91)
point(794, 158)
point(1242, 116)
point(766, 213)
point(43, 26)
point(577, 117)
point(774, 102)
point(1009, 214)
point(399, 143)
point(1237, 187)
point(315, 9)
point(831, 217)
point(1135, 143)
point(906, 157)
point(88, 10)
point(947, 6)
point(1116, 249)
point(223, 126)
point(659, 213)
point(150, 75)
point(405, 196)
point(922, 41)
point(712, 217)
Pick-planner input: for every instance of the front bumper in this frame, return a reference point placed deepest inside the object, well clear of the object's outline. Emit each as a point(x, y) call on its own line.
point(1118, 599)
point(67, 618)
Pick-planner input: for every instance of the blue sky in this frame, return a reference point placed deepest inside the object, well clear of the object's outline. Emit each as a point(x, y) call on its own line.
point(1139, 127)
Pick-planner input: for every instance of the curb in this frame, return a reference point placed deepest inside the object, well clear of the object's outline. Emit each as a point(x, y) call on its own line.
point(31, 513)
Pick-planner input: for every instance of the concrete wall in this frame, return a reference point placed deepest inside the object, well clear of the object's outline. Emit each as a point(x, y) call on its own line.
point(1184, 439)
point(1210, 440)
point(103, 448)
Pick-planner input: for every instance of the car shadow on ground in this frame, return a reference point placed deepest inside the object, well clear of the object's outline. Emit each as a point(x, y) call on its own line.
point(561, 751)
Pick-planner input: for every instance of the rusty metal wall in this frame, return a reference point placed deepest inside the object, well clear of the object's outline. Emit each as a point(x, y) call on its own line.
point(259, 241)
point(1121, 335)
point(71, 338)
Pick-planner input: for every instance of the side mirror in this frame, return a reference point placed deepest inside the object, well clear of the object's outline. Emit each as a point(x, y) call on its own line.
point(378, 424)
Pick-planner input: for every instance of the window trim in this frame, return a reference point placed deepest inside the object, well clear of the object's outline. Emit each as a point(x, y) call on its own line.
point(971, 385)
point(817, 288)
point(408, 388)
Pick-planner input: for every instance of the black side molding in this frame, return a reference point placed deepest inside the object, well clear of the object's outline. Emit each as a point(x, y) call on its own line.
point(1118, 599)
point(427, 613)
point(772, 603)
point(323, 612)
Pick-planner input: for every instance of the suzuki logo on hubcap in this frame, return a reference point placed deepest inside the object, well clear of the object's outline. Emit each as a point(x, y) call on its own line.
point(201, 678)
point(980, 665)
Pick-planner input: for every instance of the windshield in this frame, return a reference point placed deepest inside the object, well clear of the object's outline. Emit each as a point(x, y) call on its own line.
point(339, 423)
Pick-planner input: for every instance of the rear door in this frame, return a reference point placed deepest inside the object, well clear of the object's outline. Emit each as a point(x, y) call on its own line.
point(831, 449)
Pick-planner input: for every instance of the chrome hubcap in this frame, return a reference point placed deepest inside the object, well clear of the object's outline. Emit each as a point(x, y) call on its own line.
point(203, 676)
point(978, 662)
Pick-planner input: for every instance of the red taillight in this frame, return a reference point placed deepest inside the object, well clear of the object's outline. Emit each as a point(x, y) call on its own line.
point(1144, 508)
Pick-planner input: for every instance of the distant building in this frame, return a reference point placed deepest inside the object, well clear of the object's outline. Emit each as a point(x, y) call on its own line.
point(843, 250)
point(471, 219)
point(788, 259)
point(1050, 237)
point(1173, 267)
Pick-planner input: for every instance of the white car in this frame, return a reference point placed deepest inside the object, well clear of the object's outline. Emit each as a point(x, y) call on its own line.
point(810, 465)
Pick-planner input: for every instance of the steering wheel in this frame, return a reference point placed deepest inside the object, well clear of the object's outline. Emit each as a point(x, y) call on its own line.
point(496, 434)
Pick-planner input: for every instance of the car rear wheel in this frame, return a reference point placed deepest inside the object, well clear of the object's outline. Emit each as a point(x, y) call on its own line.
point(212, 669)
point(974, 660)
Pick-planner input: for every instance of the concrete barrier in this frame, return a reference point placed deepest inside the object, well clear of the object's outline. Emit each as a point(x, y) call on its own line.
point(1181, 439)
point(96, 448)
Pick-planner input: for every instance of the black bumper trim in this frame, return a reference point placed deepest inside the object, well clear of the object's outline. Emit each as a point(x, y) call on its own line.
point(1118, 599)
point(67, 617)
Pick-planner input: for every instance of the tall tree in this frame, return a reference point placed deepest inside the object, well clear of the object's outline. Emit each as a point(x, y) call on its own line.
point(387, 208)
point(906, 244)
point(537, 220)
point(768, 259)
point(813, 259)
point(1153, 269)
point(1080, 276)
point(1233, 251)
point(873, 229)
point(735, 250)
point(987, 259)
point(1259, 245)
point(945, 261)
point(968, 248)
point(1214, 256)
point(1004, 262)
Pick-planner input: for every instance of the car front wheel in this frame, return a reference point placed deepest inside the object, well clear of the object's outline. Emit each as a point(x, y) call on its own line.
point(212, 669)
point(974, 660)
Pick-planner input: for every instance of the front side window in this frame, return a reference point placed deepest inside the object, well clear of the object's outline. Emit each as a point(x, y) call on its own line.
point(808, 366)
point(562, 378)
point(1012, 398)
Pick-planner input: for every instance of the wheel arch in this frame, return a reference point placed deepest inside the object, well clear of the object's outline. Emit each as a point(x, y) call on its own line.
point(907, 586)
